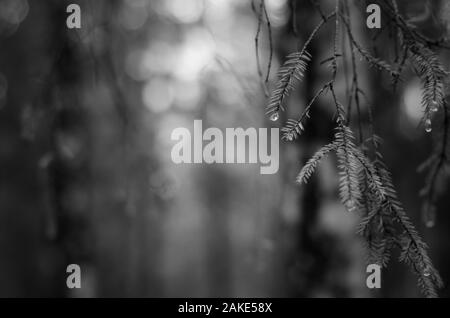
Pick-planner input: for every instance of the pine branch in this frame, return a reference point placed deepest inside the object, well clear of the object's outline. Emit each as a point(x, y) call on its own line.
point(365, 185)
point(292, 71)
point(432, 73)
point(294, 128)
point(307, 171)
point(400, 68)
point(349, 167)
point(413, 249)
point(409, 31)
point(436, 164)
point(371, 60)
point(379, 250)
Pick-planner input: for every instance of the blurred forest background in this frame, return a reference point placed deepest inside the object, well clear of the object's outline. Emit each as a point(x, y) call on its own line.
point(85, 169)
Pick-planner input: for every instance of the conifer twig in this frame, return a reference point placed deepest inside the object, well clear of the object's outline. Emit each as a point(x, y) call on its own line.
point(365, 184)
point(291, 71)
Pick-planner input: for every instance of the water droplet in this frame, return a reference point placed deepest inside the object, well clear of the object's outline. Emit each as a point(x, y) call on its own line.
point(426, 273)
point(430, 216)
point(274, 116)
point(290, 137)
point(434, 106)
point(428, 125)
point(351, 207)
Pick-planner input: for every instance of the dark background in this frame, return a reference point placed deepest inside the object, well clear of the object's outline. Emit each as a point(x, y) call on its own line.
point(85, 169)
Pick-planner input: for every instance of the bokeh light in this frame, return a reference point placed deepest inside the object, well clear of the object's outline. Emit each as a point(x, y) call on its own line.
point(12, 13)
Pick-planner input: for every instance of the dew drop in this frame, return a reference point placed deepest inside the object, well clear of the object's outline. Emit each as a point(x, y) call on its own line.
point(434, 106)
point(290, 137)
point(426, 273)
point(274, 116)
point(351, 206)
point(430, 217)
point(428, 125)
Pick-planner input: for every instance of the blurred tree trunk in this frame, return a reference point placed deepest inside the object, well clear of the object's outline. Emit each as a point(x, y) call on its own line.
point(81, 196)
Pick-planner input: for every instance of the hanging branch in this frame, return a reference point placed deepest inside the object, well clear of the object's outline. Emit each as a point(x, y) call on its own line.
point(429, 69)
point(354, 92)
point(261, 15)
point(365, 184)
point(258, 31)
point(269, 32)
point(292, 70)
point(437, 166)
point(373, 61)
point(294, 128)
